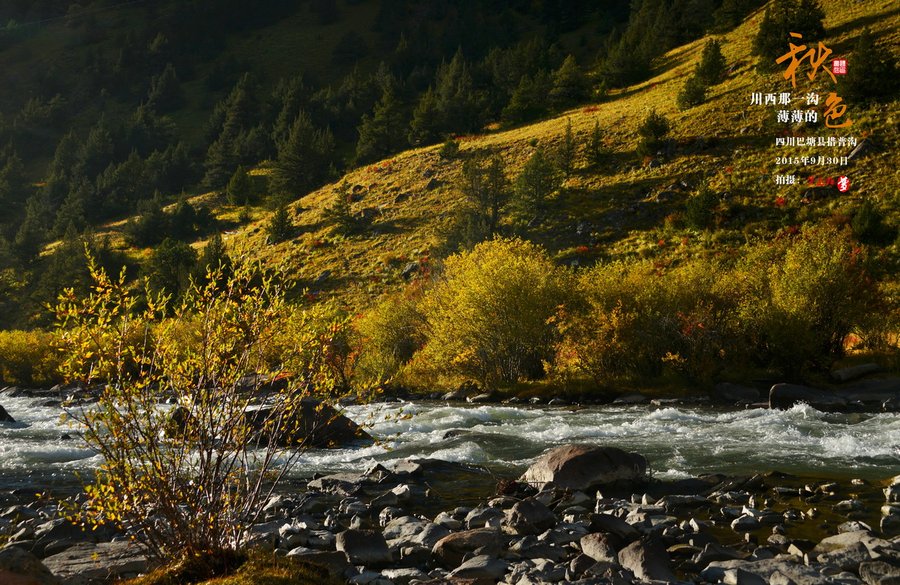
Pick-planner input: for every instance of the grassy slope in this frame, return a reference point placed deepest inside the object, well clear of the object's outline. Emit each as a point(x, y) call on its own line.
point(617, 202)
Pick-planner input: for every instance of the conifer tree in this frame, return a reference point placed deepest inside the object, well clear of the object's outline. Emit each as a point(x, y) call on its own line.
point(240, 187)
point(487, 190)
point(165, 93)
point(73, 212)
point(871, 72)
point(565, 153)
point(170, 267)
point(32, 232)
point(596, 150)
point(304, 158)
point(804, 17)
point(712, 66)
point(570, 86)
point(529, 100)
point(693, 93)
point(280, 226)
point(382, 133)
point(426, 127)
point(653, 131)
point(456, 98)
point(538, 179)
point(339, 214)
point(214, 256)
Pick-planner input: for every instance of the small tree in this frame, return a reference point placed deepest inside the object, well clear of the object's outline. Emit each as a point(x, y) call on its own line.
point(280, 226)
point(712, 66)
point(486, 189)
point(340, 214)
point(189, 483)
point(693, 93)
point(596, 150)
point(652, 131)
point(240, 187)
point(871, 72)
point(570, 86)
point(565, 153)
point(538, 179)
point(699, 211)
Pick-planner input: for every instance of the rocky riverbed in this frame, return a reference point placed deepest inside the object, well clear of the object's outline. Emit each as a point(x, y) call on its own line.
point(580, 514)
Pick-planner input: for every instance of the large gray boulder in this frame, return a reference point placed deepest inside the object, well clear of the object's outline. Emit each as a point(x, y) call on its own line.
point(20, 567)
point(100, 563)
point(364, 547)
point(582, 467)
point(648, 560)
point(529, 517)
point(315, 424)
point(451, 549)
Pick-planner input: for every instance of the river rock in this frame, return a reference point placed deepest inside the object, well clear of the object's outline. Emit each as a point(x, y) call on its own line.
point(529, 517)
point(847, 558)
point(766, 569)
point(363, 547)
point(316, 424)
point(451, 549)
point(5, 416)
point(852, 373)
point(787, 395)
point(879, 573)
point(481, 567)
point(582, 467)
point(735, 393)
point(94, 564)
point(332, 562)
point(20, 567)
point(845, 539)
point(647, 559)
point(405, 576)
point(597, 547)
point(609, 524)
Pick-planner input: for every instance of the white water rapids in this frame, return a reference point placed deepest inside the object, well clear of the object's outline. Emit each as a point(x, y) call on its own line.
point(677, 441)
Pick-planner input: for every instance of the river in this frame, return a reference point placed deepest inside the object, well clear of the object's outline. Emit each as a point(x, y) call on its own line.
point(677, 441)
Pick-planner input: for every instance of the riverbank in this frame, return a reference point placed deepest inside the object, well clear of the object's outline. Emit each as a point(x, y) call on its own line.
point(380, 527)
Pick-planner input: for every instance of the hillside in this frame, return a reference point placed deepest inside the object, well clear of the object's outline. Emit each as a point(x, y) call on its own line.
point(619, 209)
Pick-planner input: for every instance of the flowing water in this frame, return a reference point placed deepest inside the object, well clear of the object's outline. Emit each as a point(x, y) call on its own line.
point(677, 441)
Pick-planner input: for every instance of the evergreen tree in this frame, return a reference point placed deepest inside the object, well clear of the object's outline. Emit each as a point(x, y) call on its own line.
point(712, 66)
point(303, 159)
point(32, 232)
point(165, 94)
point(487, 190)
point(97, 152)
point(596, 150)
point(804, 17)
point(170, 267)
point(72, 214)
point(12, 183)
point(339, 214)
point(871, 72)
point(289, 97)
point(529, 100)
point(565, 153)
point(184, 220)
point(240, 187)
point(653, 131)
point(538, 179)
point(693, 93)
point(457, 100)
point(570, 86)
point(383, 133)
point(426, 126)
point(732, 12)
point(280, 226)
point(151, 224)
point(214, 257)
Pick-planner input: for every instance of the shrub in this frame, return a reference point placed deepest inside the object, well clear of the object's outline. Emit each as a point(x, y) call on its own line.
point(449, 149)
point(699, 212)
point(28, 358)
point(487, 318)
point(191, 490)
point(652, 131)
point(390, 334)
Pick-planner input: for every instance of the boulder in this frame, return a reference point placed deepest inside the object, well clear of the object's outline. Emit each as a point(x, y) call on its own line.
point(609, 524)
point(879, 572)
point(529, 517)
point(852, 373)
point(316, 424)
point(20, 567)
point(363, 547)
point(648, 560)
point(451, 549)
point(582, 467)
point(90, 564)
point(5, 417)
point(735, 393)
point(787, 395)
point(597, 547)
point(481, 567)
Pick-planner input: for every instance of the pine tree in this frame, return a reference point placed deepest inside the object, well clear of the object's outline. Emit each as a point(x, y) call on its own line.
point(214, 257)
point(804, 17)
point(73, 212)
point(170, 267)
point(304, 159)
point(596, 150)
point(871, 72)
point(538, 179)
point(457, 101)
point(240, 187)
point(339, 214)
point(528, 102)
point(712, 66)
point(693, 93)
point(151, 224)
point(653, 131)
point(426, 126)
point(382, 134)
point(165, 93)
point(280, 226)
point(565, 153)
point(487, 190)
point(570, 86)
point(32, 232)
